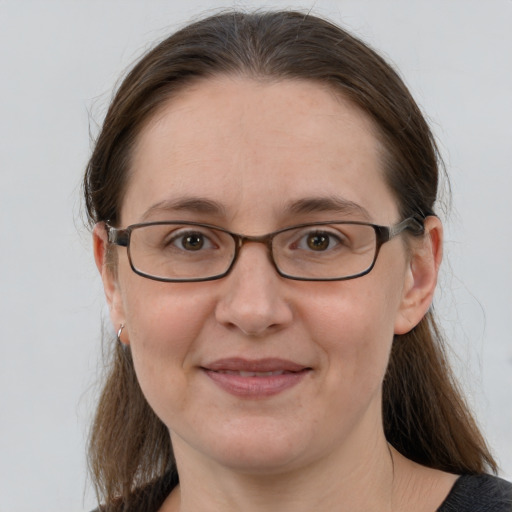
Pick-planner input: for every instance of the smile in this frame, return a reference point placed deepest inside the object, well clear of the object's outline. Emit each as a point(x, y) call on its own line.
point(255, 379)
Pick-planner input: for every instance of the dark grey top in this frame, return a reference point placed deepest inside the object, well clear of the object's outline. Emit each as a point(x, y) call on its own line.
point(471, 493)
point(479, 493)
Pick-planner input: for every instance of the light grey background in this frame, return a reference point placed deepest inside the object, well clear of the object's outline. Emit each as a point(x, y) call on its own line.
point(59, 62)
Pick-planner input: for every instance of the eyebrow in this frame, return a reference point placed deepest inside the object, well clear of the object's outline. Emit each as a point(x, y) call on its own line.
point(191, 204)
point(329, 204)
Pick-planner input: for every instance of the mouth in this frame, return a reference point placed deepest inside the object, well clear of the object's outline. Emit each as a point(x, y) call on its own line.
point(242, 373)
point(255, 379)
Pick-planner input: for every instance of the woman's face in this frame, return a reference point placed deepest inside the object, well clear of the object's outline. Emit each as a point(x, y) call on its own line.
point(254, 157)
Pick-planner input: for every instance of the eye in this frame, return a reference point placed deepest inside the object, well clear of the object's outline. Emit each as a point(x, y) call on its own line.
point(191, 241)
point(318, 241)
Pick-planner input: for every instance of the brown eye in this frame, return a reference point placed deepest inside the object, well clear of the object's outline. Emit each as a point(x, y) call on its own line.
point(318, 241)
point(192, 242)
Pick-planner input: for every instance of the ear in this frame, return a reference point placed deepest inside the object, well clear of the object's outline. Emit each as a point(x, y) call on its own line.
point(108, 276)
point(421, 276)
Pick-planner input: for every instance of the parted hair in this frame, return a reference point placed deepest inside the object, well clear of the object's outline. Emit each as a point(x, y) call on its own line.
point(425, 415)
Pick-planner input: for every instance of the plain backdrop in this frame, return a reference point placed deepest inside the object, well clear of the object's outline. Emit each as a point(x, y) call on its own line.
point(59, 63)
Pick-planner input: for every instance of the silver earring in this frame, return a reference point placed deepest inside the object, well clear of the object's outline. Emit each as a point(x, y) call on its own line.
point(121, 327)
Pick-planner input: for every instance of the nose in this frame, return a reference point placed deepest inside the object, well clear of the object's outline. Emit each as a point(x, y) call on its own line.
point(253, 298)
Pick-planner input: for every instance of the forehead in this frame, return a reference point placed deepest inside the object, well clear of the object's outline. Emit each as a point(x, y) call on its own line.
point(254, 149)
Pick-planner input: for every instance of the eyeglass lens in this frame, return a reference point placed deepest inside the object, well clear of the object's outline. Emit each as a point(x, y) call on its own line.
point(179, 252)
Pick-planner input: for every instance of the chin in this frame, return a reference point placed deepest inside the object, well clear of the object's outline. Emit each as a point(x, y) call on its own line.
point(260, 461)
point(256, 446)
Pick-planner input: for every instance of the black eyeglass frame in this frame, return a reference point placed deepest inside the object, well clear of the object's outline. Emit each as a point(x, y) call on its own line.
point(121, 237)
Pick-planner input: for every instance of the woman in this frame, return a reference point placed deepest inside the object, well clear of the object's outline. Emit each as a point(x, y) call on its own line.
point(263, 193)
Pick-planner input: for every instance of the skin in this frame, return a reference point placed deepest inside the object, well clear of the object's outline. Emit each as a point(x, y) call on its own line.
point(254, 149)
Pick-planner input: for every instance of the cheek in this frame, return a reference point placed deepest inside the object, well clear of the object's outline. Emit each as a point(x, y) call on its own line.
point(164, 320)
point(354, 326)
point(352, 308)
point(355, 337)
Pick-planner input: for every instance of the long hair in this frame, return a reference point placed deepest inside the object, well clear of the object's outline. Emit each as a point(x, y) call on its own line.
point(425, 415)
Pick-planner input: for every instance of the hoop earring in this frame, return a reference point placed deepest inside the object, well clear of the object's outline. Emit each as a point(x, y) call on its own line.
point(119, 340)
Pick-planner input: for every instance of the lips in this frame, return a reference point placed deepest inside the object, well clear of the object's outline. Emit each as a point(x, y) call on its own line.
point(254, 379)
point(252, 374)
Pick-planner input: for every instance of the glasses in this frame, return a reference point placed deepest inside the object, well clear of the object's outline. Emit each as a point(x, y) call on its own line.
point(181, 251)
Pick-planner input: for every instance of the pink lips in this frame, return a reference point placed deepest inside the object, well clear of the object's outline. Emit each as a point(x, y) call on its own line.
point(257, 378)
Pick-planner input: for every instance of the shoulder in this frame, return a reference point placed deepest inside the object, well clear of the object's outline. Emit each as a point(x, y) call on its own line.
point(479, 493)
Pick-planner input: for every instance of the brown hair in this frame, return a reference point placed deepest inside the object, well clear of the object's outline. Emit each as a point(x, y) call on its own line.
point(425, 415)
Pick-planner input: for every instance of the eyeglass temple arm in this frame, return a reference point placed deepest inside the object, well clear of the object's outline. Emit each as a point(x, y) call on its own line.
point(414, 224)
point(117, 236)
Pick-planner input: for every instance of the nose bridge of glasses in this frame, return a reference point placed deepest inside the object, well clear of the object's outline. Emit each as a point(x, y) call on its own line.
point(258, 239)
point(266, 240)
